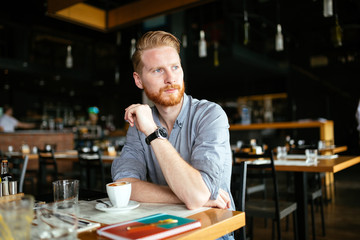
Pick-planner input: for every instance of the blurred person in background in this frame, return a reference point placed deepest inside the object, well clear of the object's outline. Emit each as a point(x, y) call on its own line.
point(8, 123)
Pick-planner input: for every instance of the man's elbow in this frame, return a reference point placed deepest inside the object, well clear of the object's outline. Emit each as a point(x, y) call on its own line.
point(196, 202)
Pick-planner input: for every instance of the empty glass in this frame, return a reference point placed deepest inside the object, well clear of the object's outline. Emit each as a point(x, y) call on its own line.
point(281, 153)
point(66, 191)
point(16, 217)
point(311, 155)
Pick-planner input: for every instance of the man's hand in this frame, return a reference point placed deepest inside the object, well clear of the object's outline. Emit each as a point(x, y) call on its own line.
point(140, 115)
point(222, 201)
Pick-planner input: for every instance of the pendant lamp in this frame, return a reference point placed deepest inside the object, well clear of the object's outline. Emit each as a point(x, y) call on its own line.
point(328, 8)
point(69, 59)
point(279, 39)
point(202, 45)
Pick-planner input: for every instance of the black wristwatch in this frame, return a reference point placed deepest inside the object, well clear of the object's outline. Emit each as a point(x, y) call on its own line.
point(159, 133)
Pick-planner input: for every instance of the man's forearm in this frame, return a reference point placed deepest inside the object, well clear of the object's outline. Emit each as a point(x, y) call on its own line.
point(142, 191)
point(184, 180)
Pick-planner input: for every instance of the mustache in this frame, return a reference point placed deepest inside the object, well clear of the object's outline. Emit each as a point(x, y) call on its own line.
point(172, 86)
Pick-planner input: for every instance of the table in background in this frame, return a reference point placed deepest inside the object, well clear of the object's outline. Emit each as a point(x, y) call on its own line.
point(331, 165)
point(65, 157)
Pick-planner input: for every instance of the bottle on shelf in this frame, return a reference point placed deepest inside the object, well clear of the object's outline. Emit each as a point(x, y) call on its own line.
point(5, 175)
point(245, 115)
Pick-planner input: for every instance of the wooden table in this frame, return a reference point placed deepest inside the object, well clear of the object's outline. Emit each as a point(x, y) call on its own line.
point(65, 157)
point(300, 173)
point(214, 224)
point(333, 150)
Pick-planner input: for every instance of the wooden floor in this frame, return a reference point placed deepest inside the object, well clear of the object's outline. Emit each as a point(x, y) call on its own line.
point(342, 216)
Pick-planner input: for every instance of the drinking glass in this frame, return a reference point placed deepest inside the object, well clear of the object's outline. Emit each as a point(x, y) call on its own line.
point(311, 155)
point(56, 221)
point(66, 191)
point(281, 153)
point(16, 217)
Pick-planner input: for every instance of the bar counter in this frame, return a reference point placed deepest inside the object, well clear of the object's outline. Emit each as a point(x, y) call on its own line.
point(64, 140)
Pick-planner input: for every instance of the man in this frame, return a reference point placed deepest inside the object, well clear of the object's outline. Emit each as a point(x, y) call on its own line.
point(177, 151)
point(8, 123)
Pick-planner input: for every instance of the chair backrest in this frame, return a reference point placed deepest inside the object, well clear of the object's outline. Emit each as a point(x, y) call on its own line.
point(46, 156)
point(17, 168)
point(261, 166)
point(90, 159)
point(238, 190)
point(89, 156)
point(238, 184)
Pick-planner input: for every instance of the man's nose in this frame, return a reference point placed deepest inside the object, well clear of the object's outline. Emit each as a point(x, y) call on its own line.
point(170, 77)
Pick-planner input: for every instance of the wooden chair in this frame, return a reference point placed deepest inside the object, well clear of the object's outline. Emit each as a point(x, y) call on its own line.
point(91, 169)
point(238, 188)
point(48, 171)
point(257, 186)
point(271, 208)
point(315, 193)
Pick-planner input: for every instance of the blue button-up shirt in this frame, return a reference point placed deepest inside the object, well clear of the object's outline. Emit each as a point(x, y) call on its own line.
point(200, 135)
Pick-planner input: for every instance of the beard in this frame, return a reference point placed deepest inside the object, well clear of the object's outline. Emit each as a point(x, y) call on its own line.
point(169, 101)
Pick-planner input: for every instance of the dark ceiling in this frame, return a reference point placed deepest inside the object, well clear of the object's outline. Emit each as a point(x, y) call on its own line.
point(33, 44)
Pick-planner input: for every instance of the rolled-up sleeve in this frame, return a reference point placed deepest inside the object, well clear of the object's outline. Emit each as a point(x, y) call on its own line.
point(210, 150)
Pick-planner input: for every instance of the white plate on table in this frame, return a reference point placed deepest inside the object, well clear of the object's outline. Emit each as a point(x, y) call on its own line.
point(103, 207)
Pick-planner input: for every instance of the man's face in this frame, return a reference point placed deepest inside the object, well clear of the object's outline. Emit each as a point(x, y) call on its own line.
point(162, 77)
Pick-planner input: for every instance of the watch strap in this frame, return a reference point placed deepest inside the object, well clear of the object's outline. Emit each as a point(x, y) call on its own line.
point(156, 134)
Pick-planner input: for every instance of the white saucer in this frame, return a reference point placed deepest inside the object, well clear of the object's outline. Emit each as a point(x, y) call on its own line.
point(103, 207)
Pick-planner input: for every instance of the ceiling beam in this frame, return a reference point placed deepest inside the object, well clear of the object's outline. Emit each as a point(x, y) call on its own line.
point(78, 12)
point(143, 9)
point(56, 5)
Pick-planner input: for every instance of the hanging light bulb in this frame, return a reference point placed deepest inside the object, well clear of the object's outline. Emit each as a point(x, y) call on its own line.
point(337, 34)
point(216, 54)
point(69, 59)
point(117, 75)
point(246, 29)
point(328, 8)
point(132, 48)
point(279, 39)
point(202, 45)
point(184, 40)
point(118, 38)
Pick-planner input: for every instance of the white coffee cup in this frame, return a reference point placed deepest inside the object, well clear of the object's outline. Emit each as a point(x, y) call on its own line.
point(119, 193)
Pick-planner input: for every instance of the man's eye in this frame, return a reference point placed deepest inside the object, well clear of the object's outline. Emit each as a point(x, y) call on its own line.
point(157, 70)
point(175, 67)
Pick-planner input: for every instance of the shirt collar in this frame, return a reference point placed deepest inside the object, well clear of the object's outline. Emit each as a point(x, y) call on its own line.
point(183, 112)
point(181, 117)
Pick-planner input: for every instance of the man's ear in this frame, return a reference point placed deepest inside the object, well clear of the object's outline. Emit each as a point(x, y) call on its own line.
point(138, 81)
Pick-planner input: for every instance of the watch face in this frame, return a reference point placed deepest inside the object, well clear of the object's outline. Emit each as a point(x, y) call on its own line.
point(162, 132)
